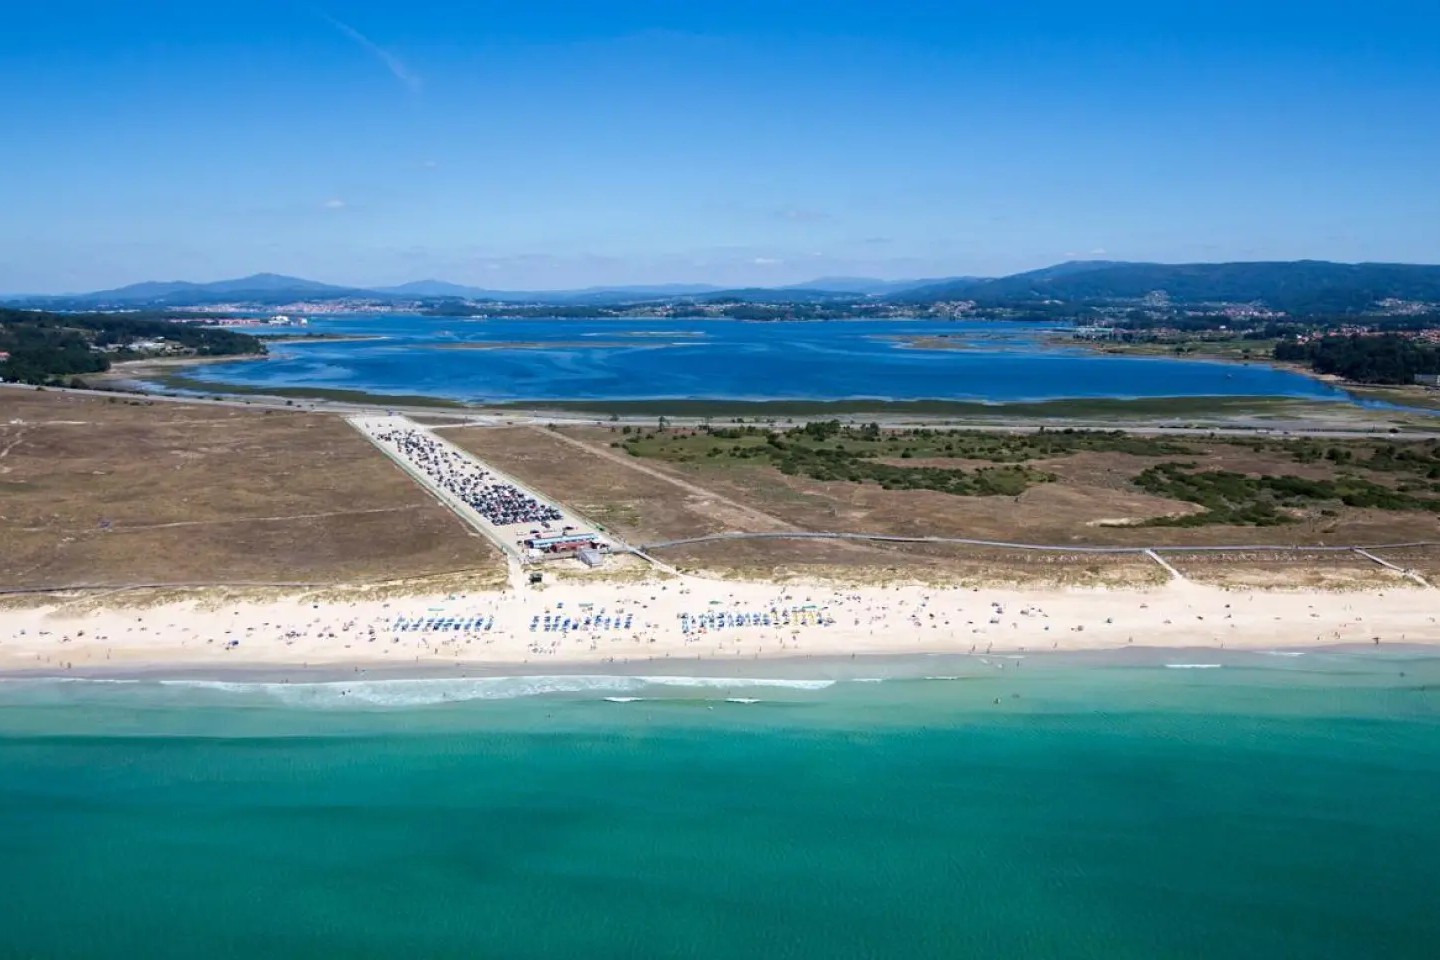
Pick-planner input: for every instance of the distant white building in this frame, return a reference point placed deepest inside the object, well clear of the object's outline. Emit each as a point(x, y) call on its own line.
point(1428, 379)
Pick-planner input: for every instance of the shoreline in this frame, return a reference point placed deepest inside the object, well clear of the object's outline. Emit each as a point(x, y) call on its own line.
point(820, 666)
point(549, 345)
point(302, 338)
point(1064, 409)
point(1279, 415)
point(1056, 408)
point(133, 372)
point(655, 622)
point(1392, 394)
point(144, 377)
point(162, 375)
point(126, 369)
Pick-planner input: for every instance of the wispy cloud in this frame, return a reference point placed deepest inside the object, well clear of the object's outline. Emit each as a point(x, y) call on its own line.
point(334, 204)
point(801, 215)
point(408, 78)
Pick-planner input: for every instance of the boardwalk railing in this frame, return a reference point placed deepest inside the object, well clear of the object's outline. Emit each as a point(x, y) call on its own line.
point(1043, 547)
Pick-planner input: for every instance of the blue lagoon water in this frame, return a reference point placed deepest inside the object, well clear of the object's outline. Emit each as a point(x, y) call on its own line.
point(1276, 806)
point(723, 359)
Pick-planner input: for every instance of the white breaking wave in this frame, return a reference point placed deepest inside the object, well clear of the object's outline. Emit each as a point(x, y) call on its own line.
point(426, 691)
point(35, 680)
point(735, 682)
point(1193, 666)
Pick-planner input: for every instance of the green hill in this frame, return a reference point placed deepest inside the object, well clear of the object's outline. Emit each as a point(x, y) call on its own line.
point(1298, 286)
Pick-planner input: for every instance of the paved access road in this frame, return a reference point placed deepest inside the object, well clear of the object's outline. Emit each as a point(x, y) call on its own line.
point(500, 507)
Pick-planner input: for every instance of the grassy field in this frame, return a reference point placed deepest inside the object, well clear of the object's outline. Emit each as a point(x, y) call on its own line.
point(1425, 398)
point(1232, 348)
point(1399, 477)
point(640, 504)
point(648, 502)
point(1260, 351)
point(670, 488)
point(158, 380)
point(123, 491)
point(1285, 571)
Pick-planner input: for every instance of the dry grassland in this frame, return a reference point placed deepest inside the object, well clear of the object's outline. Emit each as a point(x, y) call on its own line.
point(112, 492)
point(937, 564)
point(625, 497)
point(1093, 503)
point(100, 491)
point(1298, 570)
point(1424, 561)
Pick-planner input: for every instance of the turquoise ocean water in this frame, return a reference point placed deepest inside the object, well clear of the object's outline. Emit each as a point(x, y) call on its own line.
point(1274, 806)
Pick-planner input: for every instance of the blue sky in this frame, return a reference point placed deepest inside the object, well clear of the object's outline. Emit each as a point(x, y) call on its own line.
point(556, 144)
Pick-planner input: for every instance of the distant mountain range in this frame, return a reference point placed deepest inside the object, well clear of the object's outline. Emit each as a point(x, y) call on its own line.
point(1303, 285)
point(259, 286)
point(1290, 285)
point(440, 288)
point(271, 288)
point(869, 286)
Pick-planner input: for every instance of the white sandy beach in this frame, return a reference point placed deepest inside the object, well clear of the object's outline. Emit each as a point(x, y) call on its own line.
point(648, 621)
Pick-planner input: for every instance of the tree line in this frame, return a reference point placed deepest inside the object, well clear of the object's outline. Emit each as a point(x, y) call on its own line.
point(1388, 358)
point(47, 348)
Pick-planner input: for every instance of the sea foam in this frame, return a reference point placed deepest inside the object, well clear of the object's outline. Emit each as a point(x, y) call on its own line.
point(427, 691)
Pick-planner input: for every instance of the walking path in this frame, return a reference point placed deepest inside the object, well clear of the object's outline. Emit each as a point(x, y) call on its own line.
point(630, 463)
point(374, 428)
point(1052, 547)
point(495, 504)
point(1387, 564)
point(246, 521)
point(1174, 574)
point(1152, 552)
